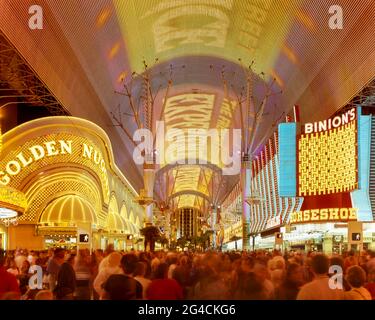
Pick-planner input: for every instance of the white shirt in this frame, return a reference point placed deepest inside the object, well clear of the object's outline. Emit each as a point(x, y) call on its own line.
point(103, 264)
point(102, 277)
point(319, 289)
point(19, 261)
point(145, 283)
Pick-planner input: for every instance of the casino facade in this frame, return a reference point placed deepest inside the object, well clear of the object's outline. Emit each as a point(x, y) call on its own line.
point(268, 90)
point(314, 181)
point(64, 168)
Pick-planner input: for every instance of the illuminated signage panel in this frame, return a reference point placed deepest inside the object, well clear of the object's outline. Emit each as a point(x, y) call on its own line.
point(52, 150)
point(287, 174)
point(324, 215)
point(332, 123)
point(327, 160)
point(274, 222)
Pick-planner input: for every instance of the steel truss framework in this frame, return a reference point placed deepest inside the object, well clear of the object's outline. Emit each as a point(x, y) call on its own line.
point(19, 83)
point(365, 97)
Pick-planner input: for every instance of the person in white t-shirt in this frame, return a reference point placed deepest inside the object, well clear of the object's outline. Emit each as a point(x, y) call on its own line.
point(111, 267)
point(320, 288)
point(19, 259)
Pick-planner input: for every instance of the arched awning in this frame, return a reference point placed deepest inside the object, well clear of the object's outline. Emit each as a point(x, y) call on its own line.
point(133, 228)
point(69, 208)
point(117, 223)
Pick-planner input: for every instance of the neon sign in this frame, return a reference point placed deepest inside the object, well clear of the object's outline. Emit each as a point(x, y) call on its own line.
point(324, 215)
point(51, 149)
point(327, 161)
point(329, 124)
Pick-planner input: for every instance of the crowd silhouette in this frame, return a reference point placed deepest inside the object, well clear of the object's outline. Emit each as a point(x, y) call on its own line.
point(166, 275)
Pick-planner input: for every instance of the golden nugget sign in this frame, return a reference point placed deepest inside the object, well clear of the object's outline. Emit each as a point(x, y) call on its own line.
point(324, 215)
point(49, 150)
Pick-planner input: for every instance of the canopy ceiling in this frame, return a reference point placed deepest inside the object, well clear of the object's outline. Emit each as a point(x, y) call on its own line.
point(87, 48)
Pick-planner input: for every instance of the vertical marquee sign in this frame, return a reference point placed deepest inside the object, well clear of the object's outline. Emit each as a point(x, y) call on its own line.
point(328, 157)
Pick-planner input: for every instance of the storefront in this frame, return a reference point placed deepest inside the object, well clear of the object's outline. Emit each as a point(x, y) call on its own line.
point(269, 237)
point(76, 196)
point(324, 230)
point(315, 180)
point(12, 205)
point(3, 237)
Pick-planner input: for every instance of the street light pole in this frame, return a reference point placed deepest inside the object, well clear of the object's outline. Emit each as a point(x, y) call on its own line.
point(246, 187)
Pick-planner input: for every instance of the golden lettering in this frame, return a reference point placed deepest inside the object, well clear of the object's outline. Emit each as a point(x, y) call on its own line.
point(334, 214)
point(306, 215)
point(315, 215)
point(51, 148)
point(87, 151)
point(24, 162)
point(96, 157)
point(299, 217)
point(324, 214)
point(16, 168)
point(37, 152)
point(4, 178)
point(352, 214)
point(344, 214)
point(331, 214)
point(66, 146)
point(293, 217)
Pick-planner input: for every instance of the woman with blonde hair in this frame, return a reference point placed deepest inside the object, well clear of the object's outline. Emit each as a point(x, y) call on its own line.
point(112, 267)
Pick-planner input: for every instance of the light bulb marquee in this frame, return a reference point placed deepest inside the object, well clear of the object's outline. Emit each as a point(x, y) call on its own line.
point(327, 156)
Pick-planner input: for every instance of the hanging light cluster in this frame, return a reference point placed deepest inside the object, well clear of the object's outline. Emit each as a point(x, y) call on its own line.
point(8, 217)
point(12, 204)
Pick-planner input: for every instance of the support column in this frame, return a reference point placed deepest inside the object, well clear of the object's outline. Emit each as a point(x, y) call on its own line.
point(327, 244)
point(168, 224)
point(213, 225)
point(246, 187)
point(149, 180)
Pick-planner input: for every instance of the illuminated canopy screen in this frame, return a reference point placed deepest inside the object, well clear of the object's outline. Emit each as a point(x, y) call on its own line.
point(227, 28)
point(327, 161)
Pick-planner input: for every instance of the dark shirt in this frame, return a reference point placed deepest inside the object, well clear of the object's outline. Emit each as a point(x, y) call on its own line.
point(8, 282)
point(53, 267)
point(287, 291)
point(122, 287)
point(66, 281)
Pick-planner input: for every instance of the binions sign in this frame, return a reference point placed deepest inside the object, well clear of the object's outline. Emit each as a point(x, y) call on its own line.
point(324, 215)
point(331, 123)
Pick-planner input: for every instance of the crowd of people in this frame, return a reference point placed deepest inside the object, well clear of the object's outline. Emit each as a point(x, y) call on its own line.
point(258, 275)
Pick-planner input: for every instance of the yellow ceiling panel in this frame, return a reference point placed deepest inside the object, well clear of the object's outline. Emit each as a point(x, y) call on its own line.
point(229, 29)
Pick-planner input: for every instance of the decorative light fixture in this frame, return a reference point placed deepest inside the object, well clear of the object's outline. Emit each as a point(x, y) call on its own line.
point(143, 200)
point(255, 198)
point(12, 204)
